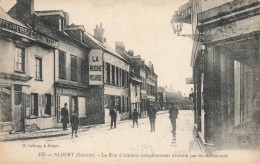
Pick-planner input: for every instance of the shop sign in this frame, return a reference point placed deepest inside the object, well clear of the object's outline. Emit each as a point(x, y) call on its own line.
point(189, 81)
point(70, 91)
point(116, 62)
point(27, 32)
point(95, 67)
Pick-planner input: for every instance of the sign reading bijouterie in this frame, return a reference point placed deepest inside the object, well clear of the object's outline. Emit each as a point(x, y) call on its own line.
point(27, 32)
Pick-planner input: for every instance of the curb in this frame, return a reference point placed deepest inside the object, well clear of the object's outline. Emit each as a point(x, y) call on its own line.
point(33, 137)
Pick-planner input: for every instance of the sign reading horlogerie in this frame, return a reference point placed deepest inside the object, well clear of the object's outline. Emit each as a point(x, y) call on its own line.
point(95, 67)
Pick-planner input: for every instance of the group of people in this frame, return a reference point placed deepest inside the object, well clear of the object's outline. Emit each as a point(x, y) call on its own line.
point(74, 120)
point(173, 115)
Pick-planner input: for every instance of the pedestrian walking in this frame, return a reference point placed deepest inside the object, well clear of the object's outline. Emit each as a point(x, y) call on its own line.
point(152, 117)
point(113, 116)
point(74, 120)
point(64, 116)
point(173, 111)
point(135, 118)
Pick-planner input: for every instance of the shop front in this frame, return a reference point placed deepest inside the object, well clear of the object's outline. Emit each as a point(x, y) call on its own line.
point(226, 76)
point(116, 98)
point(76, 101)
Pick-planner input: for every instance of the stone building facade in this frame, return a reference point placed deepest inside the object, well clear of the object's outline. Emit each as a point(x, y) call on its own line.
point(226, 71)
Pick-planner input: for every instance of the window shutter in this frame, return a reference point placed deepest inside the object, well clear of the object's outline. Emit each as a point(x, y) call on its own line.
point(52, 101)
point(43, 101)
point(28, 101)
point(28, 105)
point(39, 101)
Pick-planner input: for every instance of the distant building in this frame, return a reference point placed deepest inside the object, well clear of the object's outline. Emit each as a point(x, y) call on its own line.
point(108, 80)
point(151, 85)
point(161, 96)
point(135, 81)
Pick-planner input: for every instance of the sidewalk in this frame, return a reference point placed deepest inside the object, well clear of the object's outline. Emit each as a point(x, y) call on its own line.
point(54, 132)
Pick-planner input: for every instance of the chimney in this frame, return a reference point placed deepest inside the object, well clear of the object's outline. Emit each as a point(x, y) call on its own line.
point(105, 40)
point(25, 10)
point(131, 53)
point(66, 15)
point(120, 46)
point(99, 33)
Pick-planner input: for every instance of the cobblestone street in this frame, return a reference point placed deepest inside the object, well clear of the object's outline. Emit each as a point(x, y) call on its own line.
point(123, 139)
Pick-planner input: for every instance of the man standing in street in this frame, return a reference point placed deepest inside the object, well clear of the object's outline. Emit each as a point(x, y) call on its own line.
point(64, 116)
point(135, 118)
point(113, 116)
point(152, 117)
point(173, 111)
point(74, 120)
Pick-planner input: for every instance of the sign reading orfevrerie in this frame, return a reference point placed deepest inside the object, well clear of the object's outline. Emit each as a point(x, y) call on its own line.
point(95, 67)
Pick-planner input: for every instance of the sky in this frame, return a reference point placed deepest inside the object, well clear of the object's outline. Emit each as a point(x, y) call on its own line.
point(144, 27)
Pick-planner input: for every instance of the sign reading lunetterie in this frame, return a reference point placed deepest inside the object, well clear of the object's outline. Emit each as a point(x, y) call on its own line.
point(27, 32)
point(116, 62)
point(95, 67)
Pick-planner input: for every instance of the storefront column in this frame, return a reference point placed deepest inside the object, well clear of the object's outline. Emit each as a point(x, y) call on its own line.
point(217, 96)
point(209, 96)
point(230, 90)
point(198, 99)
point(224, 93)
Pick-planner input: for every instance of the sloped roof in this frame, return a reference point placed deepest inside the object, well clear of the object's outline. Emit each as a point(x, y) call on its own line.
point(5, 16)
point(50, 12)
point(104, 46)
point(75, 27)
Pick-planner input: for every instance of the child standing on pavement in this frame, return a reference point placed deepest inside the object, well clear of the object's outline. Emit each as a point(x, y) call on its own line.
point(135, 118)
point(74, 120)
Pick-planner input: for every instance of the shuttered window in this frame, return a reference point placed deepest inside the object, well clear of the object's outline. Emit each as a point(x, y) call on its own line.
point(82, 72)
point(62, 65)
point(74, 64)
point(19, 59)
point(38, 68)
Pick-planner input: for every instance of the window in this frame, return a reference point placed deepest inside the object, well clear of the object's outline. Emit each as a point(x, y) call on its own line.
point(62, 65)
point(123, 104)
point(119, 77)
point(127, 79)
point(19, 59)
point(126, 104)
point(113, 74)
point(82, 72)
point(123, 78)
point(108, 73)
point(38, 68)
point(136, 90)
point(117, 83)
point(243, 97)
point(73, 60)
point(17, 94)
point(48, 104)
point(82, 106)
point(34, 104)
point(6, 104)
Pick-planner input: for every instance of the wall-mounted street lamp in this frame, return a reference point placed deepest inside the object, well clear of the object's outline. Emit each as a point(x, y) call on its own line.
point(177, 28)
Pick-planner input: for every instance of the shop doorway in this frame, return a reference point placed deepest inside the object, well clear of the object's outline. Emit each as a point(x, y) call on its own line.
point(61, 100)
point(74, 105)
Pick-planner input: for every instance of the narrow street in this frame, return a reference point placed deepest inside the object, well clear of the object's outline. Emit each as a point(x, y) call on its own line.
point(123, 139)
